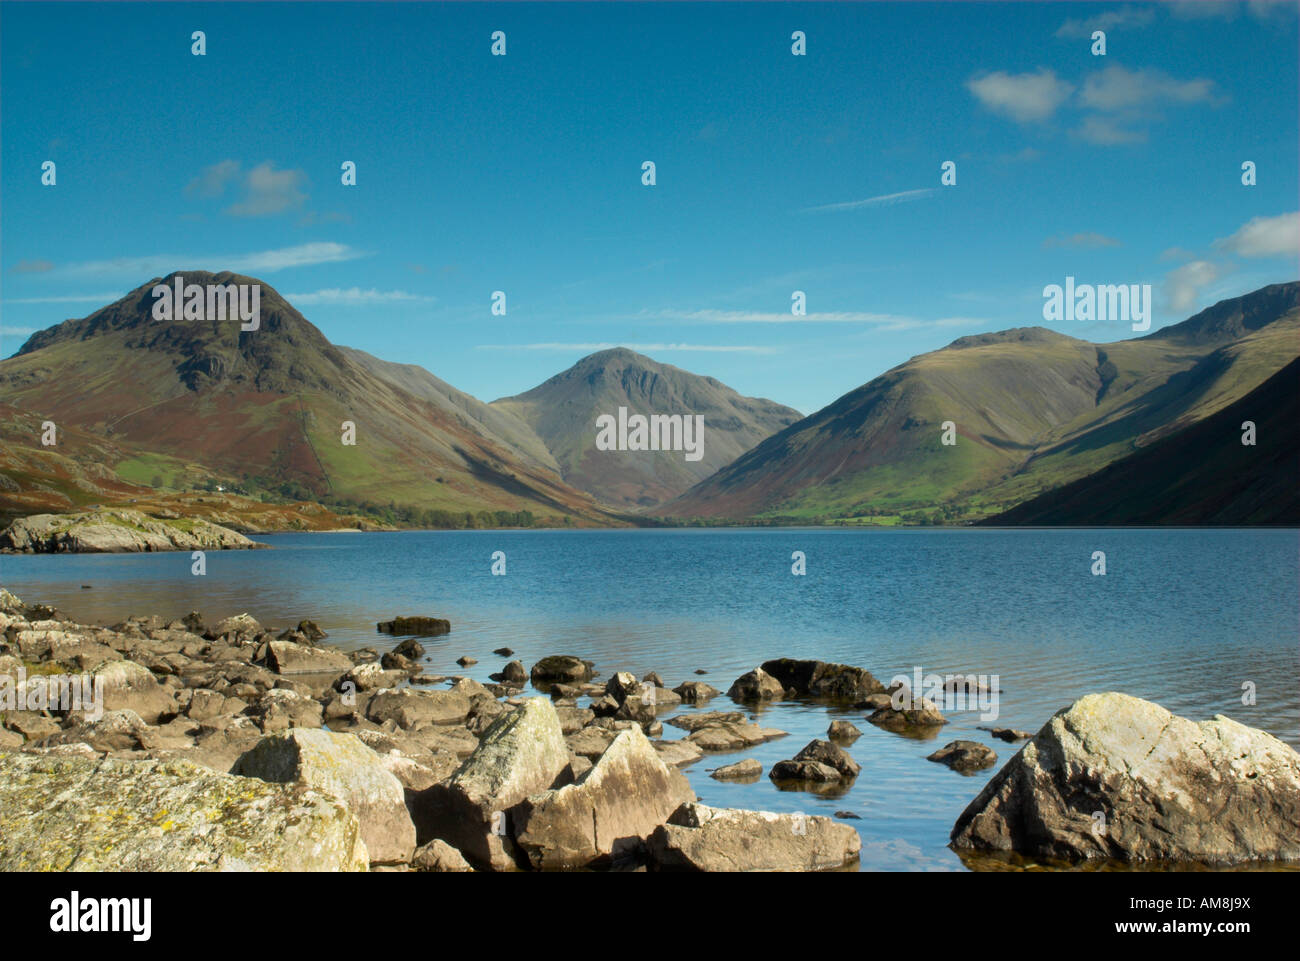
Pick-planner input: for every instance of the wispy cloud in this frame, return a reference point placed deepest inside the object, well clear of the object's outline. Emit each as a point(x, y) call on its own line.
point(1087, 241)
point(1106, 132)
point(66, 299)
point(1183, 284)
point(643, 348)
point(269, 191)
point(262, 261)
point(1118, 88)
point(880, 322)
point(1125, 17)
point(1024, 97)
point(883, 200)
point(32, 267)
point(212, 181)
point(16, 331)
point(355, 296)
point(1265, 237)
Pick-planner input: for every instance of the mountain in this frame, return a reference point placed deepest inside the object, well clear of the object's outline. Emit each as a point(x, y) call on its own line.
point(1203, 475)
point(172, 403)
point(563, 412)
point(1033, 409)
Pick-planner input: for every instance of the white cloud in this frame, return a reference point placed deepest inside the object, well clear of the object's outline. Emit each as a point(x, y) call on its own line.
point(883, 200)
point(1118, 88)
point(16, 331)
point(263, 261)
point(212, 181)
point(643, 348)
point(68, 299)
point(269, 191)
point(1265, 237)
point(1105, 132)
point(1024, 97)
point(1183, 284)
point(355, 296)
point(1124, 17)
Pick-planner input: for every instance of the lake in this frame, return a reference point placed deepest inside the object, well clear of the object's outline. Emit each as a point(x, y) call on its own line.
point(1182, 617)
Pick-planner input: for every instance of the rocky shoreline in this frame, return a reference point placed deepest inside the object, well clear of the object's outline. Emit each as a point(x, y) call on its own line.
point(233, 747)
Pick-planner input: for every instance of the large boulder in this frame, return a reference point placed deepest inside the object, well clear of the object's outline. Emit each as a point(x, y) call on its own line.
point(522, 753)
point(339, 765)
point(414, 709)
point(84, 814)
point(129, 686)
point(757, 685)
point(820, 679)
point(1115, 776)
point(701, 838)
point(608, 813)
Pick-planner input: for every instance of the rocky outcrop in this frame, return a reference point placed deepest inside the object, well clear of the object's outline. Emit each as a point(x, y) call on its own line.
point(85, 814)
point(701, 838)
point(117, 531)
point(418, 626)
point(1113, 776)
point(341, 766)
point(607, 814)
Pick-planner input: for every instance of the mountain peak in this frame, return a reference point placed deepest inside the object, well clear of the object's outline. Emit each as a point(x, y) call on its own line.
point(1235, 317)
point(1016, 335)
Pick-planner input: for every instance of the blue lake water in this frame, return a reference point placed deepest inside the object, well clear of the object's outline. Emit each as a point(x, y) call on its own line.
point(1182, 617)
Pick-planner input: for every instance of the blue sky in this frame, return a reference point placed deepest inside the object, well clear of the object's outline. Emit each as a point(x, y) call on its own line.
point(774, 173)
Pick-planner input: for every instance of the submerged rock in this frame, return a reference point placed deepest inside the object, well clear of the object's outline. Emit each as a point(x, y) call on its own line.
point(1116, 776)
point(419, 626)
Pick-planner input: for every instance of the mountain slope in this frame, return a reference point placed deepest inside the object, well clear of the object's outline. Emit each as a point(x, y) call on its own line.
point(265, 409)
point(563, 411)
point(1201, 475)
point(1033, 409)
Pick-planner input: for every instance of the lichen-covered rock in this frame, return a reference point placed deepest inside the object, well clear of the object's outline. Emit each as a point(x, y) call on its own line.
point(522, 753)
point(1116, 776)
point(79, 814)
point(608, 813)
point(339, 765)
point(701, 838)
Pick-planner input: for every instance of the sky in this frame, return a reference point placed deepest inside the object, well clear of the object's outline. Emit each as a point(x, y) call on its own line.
point(774, 173)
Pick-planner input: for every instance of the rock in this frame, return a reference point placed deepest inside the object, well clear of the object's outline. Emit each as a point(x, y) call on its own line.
point(606, 815)
point(804, 771)
point(701, 838)
point(848, 816)
point(131, 687)
point(73, 813)
point(923, 718)
point(693, 692)
point(240, 624)
point(282, 709)
point(1170, 789)
point(1008, 734)
point(757, 685)
point(732, 737)
point(115, 731)
point(653, 678)
point(965, 756)
point(831, 755)
point(874, 702)
point(311, 630)
point(573, 719)
point(820, 679)
point(341, 766)
point(591, 742)
point(193, 622)
point(284, 657)
point(699, 670)
point(696, 720)
point(370, 677)
point(843, 731)
point(503, 651)
point(560, 668)
point(421, 626)
point(746, 770)
point(392, 661)
point(514, 673)
point(115, 531)
point(410, 648)
point(441, 857)
point(414, 709)
point(523, 753)
point(678, 753)
point(466, 660)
